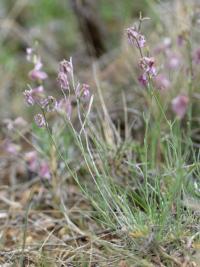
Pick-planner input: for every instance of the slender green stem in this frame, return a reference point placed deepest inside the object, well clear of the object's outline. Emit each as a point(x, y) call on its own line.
point(55, 145)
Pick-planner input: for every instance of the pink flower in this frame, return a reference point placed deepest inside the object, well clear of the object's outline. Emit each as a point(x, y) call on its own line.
point(162, 82)
point(135, 38)
point(34, 95)
point(39, 120)
point(85, 91)
point(147, 65)
point(29, 97)
point(49, 103)
point(37, 73)
point(141, 41)
point(63, 80)
point(143, 79)
point(179, 105)
point(44, 170)
point(37, 93)
point(32, 160)
point(66, 66)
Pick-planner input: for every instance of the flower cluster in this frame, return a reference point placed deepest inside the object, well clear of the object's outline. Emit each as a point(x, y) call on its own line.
point(66, 81)
point(63, 80)
point(36, 95)
point(65, 71)
point(147, 64)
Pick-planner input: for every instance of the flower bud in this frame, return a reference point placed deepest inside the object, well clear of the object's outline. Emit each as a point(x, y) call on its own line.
point(39, 120)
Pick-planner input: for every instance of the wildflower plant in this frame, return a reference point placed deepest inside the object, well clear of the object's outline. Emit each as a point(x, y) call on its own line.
point(149, 196)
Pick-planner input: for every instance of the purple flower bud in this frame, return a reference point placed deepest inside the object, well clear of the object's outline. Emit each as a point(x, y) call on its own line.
point(43, 102)
point(38, 90)
point(49, 103)
point(152, 71)
point(37, 75)
point(34, 95)
point(179, 105)
point(39, 120)
point(141, 41)
point(147, 65)
point(66, 67)
point(44, 170)
point(63, 80)
point(143, 79)
point(135, 38)
point(85, 91)
point(29, 97)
